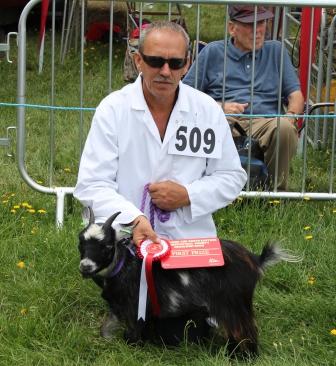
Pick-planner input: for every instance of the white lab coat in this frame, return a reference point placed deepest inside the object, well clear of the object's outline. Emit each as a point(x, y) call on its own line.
point(123, 152)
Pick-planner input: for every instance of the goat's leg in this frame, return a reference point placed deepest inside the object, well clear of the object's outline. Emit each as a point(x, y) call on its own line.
point(109, 326)
point(237, 325)
point(133, 334)
point(134, 328)
point(246, 334)
point(241, 341)
point(242, 346)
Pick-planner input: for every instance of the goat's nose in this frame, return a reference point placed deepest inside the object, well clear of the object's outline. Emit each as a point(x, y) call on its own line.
point(87, 266)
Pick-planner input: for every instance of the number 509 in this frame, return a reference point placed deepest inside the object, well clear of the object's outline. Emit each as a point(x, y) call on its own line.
point(194, 139)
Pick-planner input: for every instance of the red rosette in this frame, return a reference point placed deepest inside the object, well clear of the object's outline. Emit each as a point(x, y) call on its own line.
point(157, 250)
point(150, 252)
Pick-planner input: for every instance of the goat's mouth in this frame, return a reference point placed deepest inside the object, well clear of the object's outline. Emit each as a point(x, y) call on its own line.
point(89, 268)
point(87, 274)
point(90, 273)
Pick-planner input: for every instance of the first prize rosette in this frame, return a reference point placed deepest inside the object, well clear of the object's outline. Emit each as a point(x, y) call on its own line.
point(150, 252)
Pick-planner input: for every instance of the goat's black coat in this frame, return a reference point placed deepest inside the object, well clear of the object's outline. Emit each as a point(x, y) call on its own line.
point(223, 294)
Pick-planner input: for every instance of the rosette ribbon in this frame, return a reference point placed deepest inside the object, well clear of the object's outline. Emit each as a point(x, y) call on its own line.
point(150, 252)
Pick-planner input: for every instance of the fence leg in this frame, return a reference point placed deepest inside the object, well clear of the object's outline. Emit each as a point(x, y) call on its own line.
point(299, 151)
point(60, 195)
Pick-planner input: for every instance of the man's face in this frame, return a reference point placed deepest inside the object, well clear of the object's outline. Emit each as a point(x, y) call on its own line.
point(242, 34)
point(161, 83)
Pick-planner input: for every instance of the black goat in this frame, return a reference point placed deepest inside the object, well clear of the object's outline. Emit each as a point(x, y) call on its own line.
point(223, 294)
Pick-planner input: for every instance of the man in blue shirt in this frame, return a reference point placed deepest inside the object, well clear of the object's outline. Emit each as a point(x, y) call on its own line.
point(238, 78)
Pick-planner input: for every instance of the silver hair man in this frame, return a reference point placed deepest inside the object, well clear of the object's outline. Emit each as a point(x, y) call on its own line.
point(165, 24)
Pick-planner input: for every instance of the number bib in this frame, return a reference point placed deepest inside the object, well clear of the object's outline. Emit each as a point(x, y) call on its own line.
point(197, 140)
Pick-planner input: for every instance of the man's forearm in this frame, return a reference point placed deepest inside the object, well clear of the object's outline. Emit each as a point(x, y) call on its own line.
point(295, 103)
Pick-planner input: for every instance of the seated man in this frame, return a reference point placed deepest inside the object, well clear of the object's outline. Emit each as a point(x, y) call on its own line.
point(267, 82)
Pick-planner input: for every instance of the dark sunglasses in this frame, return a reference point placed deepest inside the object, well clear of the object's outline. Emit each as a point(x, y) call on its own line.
point(157, 62)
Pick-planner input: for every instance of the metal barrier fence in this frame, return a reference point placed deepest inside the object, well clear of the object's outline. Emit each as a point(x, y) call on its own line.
point(61, 113)
point(323, 71)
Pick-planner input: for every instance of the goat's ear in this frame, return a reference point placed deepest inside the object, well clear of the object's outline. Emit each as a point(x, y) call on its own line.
point(109, 221)
point(88, 216)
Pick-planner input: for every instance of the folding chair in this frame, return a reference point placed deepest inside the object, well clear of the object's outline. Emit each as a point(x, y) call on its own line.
point(137, 21)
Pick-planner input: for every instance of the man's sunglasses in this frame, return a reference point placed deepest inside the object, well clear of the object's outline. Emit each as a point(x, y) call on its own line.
point(157, 62)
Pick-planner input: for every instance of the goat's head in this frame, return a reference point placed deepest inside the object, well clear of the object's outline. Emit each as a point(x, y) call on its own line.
point(96, 245)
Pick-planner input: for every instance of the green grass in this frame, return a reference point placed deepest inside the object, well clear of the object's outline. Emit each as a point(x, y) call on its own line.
point(49, 315)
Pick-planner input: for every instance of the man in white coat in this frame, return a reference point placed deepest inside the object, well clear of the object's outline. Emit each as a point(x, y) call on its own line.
point(159, 151)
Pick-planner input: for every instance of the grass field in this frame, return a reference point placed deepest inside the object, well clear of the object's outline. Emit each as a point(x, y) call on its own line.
point(49, 315)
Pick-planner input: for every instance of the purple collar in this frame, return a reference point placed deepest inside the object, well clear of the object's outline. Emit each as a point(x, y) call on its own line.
point(117, 268)
point(113, 272)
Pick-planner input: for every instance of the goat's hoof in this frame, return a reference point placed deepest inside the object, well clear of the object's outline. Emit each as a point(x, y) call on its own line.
point(132, 337)
point(109, 326)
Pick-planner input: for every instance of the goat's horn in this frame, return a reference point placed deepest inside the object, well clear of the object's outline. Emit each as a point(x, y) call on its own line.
point(109, 221)
point(88, 216)
point(91, 216)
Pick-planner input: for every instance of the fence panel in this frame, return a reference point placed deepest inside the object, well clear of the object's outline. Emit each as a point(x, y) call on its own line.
point(83, 61)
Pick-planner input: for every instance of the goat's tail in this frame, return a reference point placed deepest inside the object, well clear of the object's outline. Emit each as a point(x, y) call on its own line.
point(273, 253)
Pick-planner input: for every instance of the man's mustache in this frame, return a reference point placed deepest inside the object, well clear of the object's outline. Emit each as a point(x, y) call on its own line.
point(163, 80)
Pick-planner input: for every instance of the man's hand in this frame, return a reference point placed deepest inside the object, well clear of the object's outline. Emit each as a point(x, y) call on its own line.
point(234, 108)
point(169, 195)
point(292, 119)
point(143, 230)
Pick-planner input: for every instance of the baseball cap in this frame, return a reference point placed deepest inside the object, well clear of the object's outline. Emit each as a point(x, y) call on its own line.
point(245, 13)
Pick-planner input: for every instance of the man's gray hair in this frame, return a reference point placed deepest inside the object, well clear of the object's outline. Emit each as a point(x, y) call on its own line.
point(164, 24)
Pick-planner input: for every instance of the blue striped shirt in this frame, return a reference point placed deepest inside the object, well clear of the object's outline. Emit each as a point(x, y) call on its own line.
point(239, 75)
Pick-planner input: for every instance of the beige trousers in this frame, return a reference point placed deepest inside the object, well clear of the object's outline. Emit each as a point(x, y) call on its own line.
point(265, 130)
